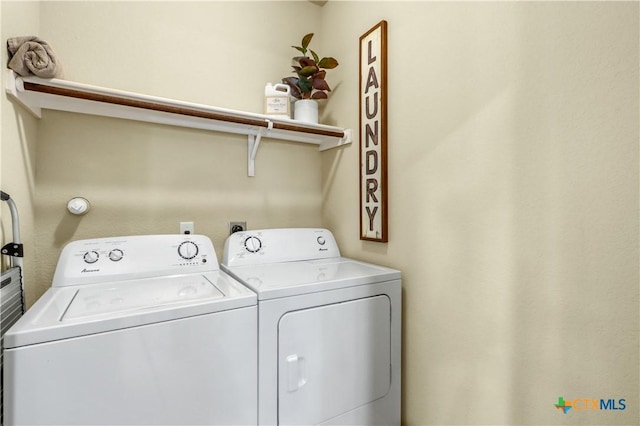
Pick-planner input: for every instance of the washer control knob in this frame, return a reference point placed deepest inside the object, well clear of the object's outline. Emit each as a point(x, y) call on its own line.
point(188, 250)
point(253, 244)
point(116, 255)
point(321, 240)
point(91, 256)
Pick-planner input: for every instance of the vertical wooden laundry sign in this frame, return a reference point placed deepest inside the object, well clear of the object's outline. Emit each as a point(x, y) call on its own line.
point(373, 134)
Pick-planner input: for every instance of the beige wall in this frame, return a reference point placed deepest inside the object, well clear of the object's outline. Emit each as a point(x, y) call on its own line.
point(18, 144)
point(513, 164)
point(144, 178)
point(513, 202)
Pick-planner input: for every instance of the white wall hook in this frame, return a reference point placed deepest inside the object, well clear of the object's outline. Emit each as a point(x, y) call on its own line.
point(78, 206)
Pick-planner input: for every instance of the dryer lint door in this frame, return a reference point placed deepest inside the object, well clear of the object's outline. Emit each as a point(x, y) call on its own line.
point(333, 359)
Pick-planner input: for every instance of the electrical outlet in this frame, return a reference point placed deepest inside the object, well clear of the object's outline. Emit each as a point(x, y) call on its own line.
point(186, 227)
point(237, 227)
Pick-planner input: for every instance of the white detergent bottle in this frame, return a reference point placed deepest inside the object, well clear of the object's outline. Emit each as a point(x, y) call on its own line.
point(276, 100)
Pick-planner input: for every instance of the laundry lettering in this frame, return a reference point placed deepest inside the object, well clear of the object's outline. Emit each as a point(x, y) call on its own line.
point(371, 151)
point(371, 214)
point(370, 57)
point(372, 186)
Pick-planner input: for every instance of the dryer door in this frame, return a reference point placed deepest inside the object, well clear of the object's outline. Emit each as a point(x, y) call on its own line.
point(333, 359)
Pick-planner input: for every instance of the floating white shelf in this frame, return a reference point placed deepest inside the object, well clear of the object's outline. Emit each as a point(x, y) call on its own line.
point(63, 95)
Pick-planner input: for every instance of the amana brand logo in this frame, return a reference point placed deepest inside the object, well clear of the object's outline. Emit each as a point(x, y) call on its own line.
point(589, 404)
point(85, 270)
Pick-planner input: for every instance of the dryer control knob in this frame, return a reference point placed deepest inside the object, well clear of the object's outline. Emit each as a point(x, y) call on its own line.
point(188, 250)
point(91, 256)
point(253, 244)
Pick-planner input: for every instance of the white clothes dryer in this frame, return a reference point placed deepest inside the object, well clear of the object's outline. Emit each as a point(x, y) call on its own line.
point(329, 329)
point(142, 330)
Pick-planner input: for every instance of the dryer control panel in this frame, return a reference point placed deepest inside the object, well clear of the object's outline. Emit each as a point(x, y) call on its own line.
point(140, 256)
point(279, 245)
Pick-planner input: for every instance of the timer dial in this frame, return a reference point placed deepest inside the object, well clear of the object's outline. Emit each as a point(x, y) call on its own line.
point(116, 255)
point(188, 250)
point(91, 256)
point(253, 244)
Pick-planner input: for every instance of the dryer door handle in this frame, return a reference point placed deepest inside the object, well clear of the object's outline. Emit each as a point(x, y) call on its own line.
point(296, 372)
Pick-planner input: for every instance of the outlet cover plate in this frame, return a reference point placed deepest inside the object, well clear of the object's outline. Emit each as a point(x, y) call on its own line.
point(186, 227)
point(237, 226)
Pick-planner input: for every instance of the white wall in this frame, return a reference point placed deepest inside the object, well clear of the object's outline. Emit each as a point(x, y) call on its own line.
point(513, 202)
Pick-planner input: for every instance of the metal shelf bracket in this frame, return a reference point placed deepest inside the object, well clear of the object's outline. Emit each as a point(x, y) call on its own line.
point(253, 143)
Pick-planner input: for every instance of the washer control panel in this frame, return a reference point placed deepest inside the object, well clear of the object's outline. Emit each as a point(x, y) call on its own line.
point(133, 257)
point(279, 245)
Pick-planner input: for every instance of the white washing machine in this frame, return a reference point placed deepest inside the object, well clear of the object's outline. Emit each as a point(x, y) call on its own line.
point(142, 330)
point(329, 329)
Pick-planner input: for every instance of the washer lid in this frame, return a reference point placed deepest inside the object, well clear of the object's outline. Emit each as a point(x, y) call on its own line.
point(123, 297)
point(73, 311)
point(274, 280)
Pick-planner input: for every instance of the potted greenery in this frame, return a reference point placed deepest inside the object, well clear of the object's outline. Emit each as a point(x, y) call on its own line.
point(309, 84)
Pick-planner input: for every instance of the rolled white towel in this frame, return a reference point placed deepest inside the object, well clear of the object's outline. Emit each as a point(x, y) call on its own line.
point(29, 55)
